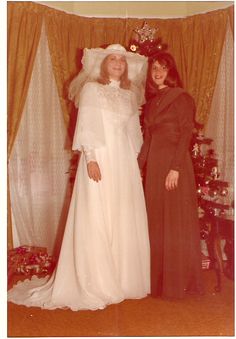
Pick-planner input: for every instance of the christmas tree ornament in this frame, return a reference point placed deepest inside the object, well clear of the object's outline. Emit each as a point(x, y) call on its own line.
point(146, 33)
point(201, 212)
point(204, 232)
point(212, 211)
point(224, 192)
point(222, 213)
point(133, 48)
point(199, 191)
point(214, 172)
point(213, 193)
point(195, 150)
point(216, 211)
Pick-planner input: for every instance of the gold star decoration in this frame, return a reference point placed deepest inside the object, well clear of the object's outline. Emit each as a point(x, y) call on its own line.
point(146, 32)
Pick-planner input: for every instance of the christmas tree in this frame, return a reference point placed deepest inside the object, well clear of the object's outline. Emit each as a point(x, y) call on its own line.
point(214, 207)
point(211, 191)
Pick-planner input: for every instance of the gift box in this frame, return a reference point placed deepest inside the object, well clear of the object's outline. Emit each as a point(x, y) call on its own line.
point(29, 260)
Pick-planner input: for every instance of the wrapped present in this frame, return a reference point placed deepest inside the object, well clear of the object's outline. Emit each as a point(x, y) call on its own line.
point(29, 260)
point(26, 249)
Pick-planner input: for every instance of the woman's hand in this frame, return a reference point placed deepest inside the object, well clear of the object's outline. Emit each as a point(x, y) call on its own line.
point(172, 180)
point(94, 171)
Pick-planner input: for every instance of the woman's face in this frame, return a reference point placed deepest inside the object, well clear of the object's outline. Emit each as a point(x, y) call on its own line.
point(116, 65)
point(159, 74)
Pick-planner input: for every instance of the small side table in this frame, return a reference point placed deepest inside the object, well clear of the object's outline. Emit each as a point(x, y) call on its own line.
point(221, 228)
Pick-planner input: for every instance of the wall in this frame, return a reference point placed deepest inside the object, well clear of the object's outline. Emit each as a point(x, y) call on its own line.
point(138, 9)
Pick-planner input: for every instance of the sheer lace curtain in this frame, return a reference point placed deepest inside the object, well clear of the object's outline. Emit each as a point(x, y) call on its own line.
point(220, 126)
point(38, 164)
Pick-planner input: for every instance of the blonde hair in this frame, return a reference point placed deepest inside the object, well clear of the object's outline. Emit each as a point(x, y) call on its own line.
point(125, 83)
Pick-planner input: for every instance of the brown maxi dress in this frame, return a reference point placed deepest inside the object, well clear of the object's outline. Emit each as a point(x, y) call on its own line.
point(172, 215)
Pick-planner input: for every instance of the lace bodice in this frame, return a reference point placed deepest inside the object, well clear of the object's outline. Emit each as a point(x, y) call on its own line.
point(116, 103)
point(101, 105)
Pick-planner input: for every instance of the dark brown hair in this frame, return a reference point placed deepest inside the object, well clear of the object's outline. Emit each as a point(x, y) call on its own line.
point(125, 83)
point(172, 79)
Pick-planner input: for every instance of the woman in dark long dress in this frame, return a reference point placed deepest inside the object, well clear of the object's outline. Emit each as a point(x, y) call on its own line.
point(169, 182)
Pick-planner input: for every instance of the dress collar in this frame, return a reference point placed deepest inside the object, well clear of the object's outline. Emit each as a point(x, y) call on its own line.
point(114, 83)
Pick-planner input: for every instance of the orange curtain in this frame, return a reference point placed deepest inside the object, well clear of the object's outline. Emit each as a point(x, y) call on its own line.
point(196, 42)
point(24, 27)
point(203, 38)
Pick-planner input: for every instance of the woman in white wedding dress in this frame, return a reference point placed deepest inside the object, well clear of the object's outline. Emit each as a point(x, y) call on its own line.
point(104, 257)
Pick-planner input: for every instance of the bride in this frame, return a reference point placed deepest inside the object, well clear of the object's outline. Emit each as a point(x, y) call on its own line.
point(104, 257)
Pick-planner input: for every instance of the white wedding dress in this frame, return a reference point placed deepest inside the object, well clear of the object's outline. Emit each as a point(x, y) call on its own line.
point(104, 257)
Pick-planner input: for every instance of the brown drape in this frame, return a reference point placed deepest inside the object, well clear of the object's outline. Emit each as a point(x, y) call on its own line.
point(203, 38)
point(24, 28)
point(196, 43)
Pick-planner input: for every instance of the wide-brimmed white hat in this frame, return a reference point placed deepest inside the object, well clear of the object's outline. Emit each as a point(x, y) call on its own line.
point(92, 59)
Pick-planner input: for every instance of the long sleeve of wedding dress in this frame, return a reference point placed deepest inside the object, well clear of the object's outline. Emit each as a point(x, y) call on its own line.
point(89, 130)
point(89, 154)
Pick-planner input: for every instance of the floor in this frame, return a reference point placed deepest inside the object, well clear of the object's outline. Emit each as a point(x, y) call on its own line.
point(209, 315)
